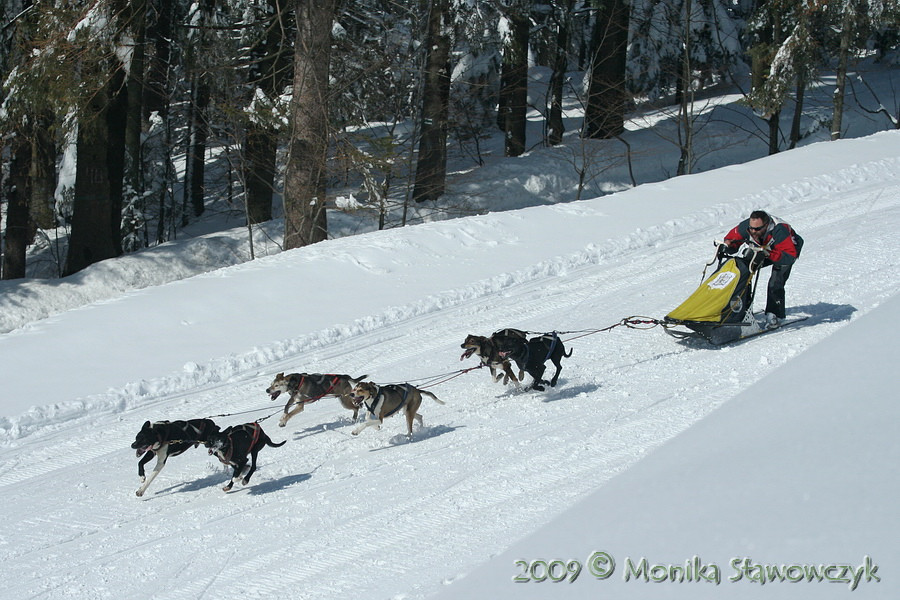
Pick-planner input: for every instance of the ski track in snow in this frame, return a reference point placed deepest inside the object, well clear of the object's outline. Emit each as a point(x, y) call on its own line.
point(507, 458)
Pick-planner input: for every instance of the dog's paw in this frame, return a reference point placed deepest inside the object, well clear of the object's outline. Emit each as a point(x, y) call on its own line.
point(227, 488)
point(139, 493)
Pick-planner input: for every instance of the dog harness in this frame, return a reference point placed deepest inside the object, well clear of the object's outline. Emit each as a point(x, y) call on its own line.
point(334, 380)
point(381, 396)
point(552, 346)
point(256, 431)
point(197, 432)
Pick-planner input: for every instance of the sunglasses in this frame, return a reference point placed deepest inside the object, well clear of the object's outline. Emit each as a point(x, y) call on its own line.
point(756, 228)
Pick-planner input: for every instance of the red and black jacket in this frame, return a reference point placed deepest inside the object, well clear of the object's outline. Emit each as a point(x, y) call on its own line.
point(783, 242)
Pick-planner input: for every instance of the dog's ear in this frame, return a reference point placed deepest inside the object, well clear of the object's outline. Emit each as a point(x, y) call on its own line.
point(146, 425)
point(279, 376)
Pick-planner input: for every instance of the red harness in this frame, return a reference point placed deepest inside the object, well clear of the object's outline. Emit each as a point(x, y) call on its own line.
point(256, 431)
point(334, 380)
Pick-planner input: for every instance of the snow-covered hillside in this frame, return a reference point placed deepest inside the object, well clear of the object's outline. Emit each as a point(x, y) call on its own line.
point(330, 515)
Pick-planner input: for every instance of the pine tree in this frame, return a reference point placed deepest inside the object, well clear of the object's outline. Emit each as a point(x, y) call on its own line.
point(305, 221)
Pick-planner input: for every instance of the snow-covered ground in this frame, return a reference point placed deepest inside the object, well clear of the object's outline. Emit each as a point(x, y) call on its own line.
point(786, 454)
point(656, 454)
point(785, 492)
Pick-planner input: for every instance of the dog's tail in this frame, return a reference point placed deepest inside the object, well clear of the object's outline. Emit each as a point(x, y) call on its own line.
point(274, 445)
point(432, 396)
point(569, 354)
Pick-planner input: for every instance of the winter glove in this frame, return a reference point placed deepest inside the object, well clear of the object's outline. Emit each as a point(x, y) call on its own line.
point(759, 257)
point(724, 251)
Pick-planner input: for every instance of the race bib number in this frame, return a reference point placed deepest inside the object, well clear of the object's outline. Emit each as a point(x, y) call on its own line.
point(722, 280)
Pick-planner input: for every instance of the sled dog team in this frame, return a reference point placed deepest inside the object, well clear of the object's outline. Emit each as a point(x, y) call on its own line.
point(238, 446)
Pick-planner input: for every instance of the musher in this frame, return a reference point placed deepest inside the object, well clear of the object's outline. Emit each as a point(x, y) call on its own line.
point(781, 245)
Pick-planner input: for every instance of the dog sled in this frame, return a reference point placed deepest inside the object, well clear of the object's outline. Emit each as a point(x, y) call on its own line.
point(720, 310)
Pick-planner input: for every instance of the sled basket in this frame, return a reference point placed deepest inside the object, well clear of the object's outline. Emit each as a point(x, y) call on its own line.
point(719, 310)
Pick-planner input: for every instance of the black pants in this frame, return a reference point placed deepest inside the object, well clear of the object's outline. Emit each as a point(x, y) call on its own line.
point(775, 292)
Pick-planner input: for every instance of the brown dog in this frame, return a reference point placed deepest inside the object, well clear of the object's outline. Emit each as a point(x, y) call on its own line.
point(306, 388)
point(484, 348)
point(382, 401)
point(488, 351)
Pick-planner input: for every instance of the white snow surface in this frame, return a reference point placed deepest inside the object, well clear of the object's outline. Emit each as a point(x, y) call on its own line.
point(781, 449)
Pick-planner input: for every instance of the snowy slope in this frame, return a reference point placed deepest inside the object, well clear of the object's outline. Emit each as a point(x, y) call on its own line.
point(329, 515)
point(762, 499)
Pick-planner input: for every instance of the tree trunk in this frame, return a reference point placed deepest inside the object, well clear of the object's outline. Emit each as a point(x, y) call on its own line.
point(685, 100)
point(305, 221)
point(159, 33)
point(269, 73)
point(605, 114)
point(555, 126)
point(431, 165)
point(43, 173)
point(96, 212)
point(774, 121)
point(116, 117)
point(19, 227)
point(847, 27)
point(798, 112)
point(514, 93)
point(260, 146)
point(133, 196)
point(194, 179)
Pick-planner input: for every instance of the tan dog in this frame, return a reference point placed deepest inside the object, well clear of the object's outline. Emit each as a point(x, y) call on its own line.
point(306, 388)
point(382, 401)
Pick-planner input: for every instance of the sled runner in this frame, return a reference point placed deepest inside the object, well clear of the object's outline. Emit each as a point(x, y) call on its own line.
point(719, 311)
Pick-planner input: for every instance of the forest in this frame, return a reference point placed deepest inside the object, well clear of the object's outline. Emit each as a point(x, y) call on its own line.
point(122, 119)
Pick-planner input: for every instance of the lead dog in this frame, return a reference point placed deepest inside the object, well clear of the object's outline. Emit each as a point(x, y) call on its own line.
point(382, 401)
point(167, 438)
point(305, 388)
point(486, 349)
point(233, 445)
point(531, 355)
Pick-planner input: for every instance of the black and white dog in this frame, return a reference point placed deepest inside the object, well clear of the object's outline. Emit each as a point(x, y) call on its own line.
point(168, 438)
point(233, 446)
point(531, 355)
